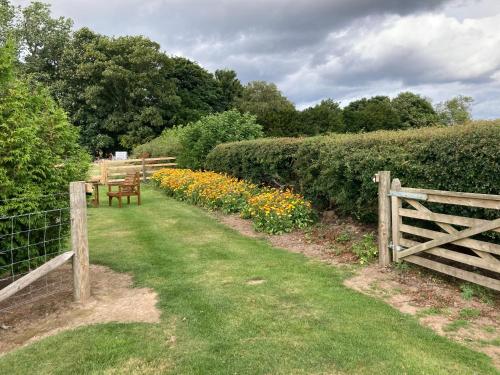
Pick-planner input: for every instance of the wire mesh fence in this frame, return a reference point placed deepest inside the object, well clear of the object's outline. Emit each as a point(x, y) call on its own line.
point(30, 239)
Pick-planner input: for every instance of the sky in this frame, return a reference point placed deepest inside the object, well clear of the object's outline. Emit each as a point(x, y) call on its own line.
point(317, 49)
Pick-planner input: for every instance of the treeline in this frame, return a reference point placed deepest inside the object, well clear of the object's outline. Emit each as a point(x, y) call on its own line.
point(125, 91)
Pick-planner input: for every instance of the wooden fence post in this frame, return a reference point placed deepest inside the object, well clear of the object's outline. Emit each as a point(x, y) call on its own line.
point(144, 170)
point(79, 242)
point(384, 216)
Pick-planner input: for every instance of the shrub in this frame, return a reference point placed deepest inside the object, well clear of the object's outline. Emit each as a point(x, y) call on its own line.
point(197, 139)
point(167, 144)
point(269, 161)
point(272, 210)
point(39, 156)
point(366, 248)
point(336, 171)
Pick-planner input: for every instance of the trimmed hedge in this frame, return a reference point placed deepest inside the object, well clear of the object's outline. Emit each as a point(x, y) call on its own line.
point(336, 171)
point(268, 160)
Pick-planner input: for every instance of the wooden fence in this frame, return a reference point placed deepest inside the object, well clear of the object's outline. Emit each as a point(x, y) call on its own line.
point(115, 170)
point(446, 245)
point(79, 253)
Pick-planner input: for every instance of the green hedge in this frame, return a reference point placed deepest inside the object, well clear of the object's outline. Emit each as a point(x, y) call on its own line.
point(268, 160)
point(336, 171)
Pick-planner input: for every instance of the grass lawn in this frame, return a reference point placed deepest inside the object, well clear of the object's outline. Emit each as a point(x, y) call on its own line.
point(301, 320)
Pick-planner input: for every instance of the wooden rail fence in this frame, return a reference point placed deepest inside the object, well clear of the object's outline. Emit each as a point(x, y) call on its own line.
point(450, 244)
point(115, 170)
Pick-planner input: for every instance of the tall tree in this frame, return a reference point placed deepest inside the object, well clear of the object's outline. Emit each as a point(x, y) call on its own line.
point(274, 111)
point(42, 40)
point(197, 89)
point(371, 114)
point(325, 117)
point(117, 90)
point(456, 110)
point(414, 110)
point(230, 86)
point(7, 15)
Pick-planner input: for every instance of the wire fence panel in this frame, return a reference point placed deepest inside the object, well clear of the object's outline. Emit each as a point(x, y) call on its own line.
point(27, 241)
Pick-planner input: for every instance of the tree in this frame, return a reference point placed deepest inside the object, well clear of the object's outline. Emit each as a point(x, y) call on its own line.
point(274, 111)
point(230, 86)
point(371, 114)
point(42, 41)
point(324, 117)
point(198, 90)
point(117, 90)
point(455, 111)
point(30, 118)
point(7, 15)
point(414, 110)
point(197, 139)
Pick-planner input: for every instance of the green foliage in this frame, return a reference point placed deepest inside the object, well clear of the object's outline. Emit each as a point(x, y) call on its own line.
point(116, 89)
point(269, 161)
point(230, 86)
point(197, 139)
point(414, 111)
point(455, 111)
point(371, 114)
point(167, 144)
point(468, 291)
point(337, 170)
point(325, 117)
point(366, 248)
point(40, 152)
point(469, 313)
point(43, 40)
point(273, 110)
point(456, 325)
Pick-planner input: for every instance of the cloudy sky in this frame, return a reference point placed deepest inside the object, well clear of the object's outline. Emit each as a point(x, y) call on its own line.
point(314, 49)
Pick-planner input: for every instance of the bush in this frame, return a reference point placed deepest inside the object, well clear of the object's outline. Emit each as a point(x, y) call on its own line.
point(272, 210)
point(167, 144)
point(39, 156)
point(336, 171)
point(269, 161)
point(199, 138)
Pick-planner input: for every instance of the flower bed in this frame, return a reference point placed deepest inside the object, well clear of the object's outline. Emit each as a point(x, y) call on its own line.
point(272, 210)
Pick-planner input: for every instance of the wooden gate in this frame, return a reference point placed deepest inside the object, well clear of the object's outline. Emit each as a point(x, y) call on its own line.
point(447, 243)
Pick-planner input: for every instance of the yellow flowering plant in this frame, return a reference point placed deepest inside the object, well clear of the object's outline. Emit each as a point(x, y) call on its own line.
point(272, 210)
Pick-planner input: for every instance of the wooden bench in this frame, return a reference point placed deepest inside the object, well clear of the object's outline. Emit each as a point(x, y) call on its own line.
point(131, 186)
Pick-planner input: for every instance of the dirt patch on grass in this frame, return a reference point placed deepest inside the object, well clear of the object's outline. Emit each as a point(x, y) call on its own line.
point(437, 303)
point(315, 242)
point(113, 300)
point(436, 300)
point(256, 281)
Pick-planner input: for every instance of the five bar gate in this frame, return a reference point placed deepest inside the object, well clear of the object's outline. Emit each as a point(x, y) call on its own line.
point(439, 241)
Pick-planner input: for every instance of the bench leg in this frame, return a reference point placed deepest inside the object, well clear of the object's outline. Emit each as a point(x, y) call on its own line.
point(110, 199)
point(119, 202)
point(128, 199)
point(139, 199)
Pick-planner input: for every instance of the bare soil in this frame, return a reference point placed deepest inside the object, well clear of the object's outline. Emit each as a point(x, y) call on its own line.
point(434, 299)
point(114, 299)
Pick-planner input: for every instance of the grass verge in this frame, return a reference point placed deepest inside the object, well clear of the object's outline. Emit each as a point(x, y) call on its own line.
point(299, 318)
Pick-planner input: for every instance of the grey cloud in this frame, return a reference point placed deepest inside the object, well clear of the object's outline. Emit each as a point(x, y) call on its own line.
point(309, 48)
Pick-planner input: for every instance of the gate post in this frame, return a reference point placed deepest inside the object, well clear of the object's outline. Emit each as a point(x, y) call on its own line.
point(384, 216)
point(79, 241)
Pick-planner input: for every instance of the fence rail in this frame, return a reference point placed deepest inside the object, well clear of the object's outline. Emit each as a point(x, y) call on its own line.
point(115, 170)
point(443, 242)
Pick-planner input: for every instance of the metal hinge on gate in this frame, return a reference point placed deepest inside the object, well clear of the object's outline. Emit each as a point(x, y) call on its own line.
point(398, 248)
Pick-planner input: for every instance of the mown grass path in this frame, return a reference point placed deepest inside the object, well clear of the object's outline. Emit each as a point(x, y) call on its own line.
point(300, 320)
